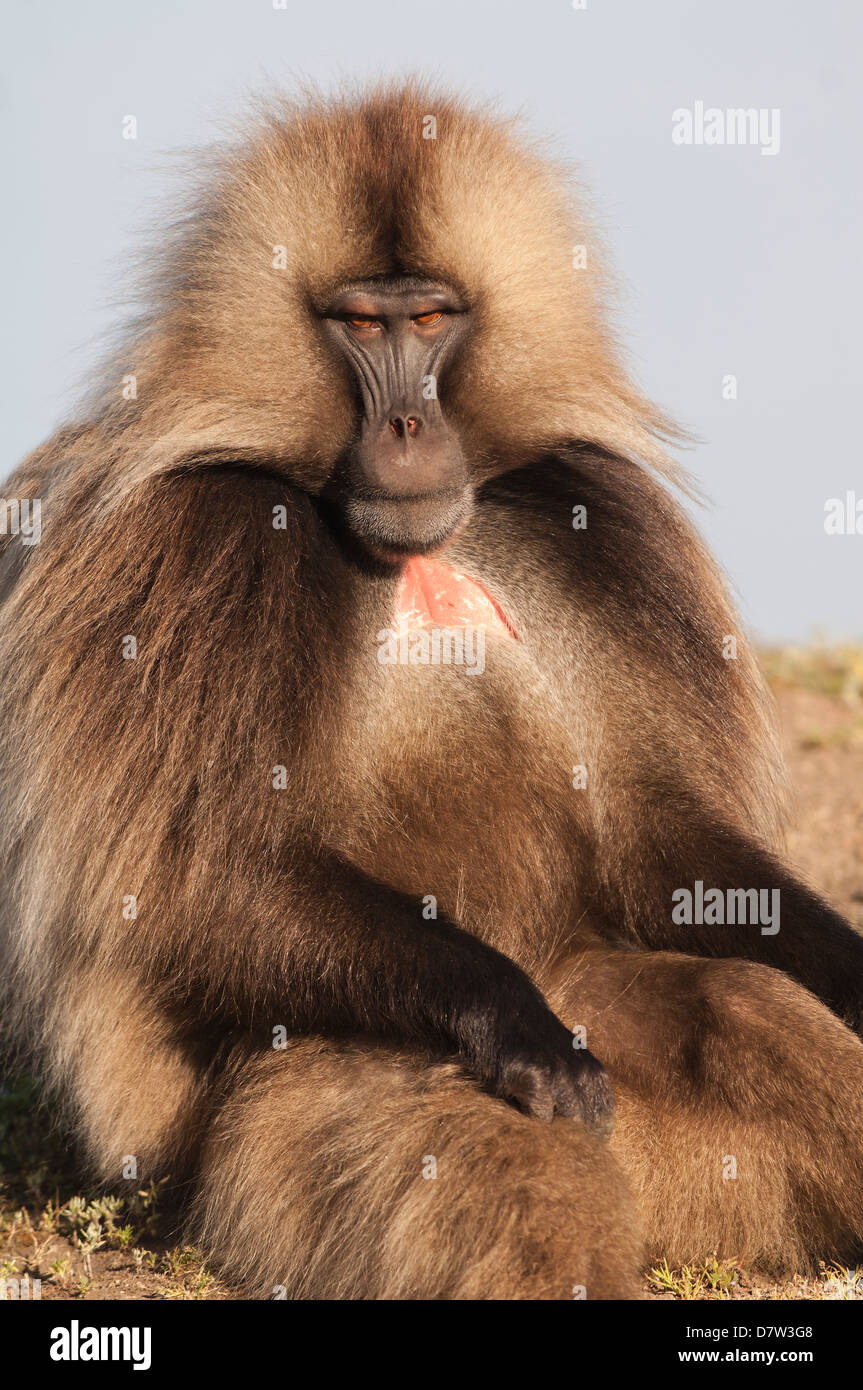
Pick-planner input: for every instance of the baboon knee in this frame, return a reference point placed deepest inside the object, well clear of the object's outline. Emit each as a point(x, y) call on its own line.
point(433, 1189)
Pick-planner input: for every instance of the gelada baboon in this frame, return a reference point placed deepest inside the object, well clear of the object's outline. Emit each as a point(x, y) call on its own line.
point(369, 710)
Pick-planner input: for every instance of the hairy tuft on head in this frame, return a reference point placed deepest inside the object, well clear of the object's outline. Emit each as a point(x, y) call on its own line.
point(398, 180)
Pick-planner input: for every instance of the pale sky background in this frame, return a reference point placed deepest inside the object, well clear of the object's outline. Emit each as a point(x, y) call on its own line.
point(733, 262)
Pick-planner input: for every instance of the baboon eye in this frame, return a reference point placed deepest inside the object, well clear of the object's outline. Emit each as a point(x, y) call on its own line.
point(358, 321)
point(433, 316)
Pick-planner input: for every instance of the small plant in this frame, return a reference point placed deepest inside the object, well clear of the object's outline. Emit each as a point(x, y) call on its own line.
point(61, 1270)
point(712, 1280)
point(842, 1283)
point(187, 1274)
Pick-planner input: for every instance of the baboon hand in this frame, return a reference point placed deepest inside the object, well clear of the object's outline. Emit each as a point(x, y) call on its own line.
point(559, 1080)
point(530, 1058)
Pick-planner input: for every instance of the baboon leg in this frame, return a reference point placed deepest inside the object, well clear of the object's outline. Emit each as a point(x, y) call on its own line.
point(133, 1090)
point(352, 1170)
point(739, 1097)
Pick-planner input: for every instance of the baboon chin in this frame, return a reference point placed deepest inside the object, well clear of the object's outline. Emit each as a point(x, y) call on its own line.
point(297, 899)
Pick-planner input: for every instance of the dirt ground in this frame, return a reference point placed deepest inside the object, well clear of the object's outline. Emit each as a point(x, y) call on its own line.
point(824, 747)
point(83, 1246)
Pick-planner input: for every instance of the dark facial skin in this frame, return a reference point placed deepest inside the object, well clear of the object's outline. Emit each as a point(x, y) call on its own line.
point(405, 484)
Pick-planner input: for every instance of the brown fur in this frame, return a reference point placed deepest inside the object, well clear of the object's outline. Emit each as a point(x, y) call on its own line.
point(152, 777)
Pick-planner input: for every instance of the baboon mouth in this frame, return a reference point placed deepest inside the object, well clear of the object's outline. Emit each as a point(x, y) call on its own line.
point(396, 527)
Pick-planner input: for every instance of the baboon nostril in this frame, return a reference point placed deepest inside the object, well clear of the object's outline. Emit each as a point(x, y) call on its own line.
point(402, 425)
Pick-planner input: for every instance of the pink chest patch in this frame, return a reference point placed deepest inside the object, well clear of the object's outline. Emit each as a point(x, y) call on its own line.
point(434, 595)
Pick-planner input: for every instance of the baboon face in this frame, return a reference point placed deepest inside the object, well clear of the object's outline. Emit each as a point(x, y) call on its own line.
point(403, 484)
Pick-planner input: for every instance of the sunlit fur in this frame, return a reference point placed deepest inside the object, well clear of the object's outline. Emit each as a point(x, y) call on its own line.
point(153, 778)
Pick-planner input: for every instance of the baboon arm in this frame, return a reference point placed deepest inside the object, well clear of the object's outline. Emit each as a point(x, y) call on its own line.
point(678, 740)
point(330, 951)
point(804, 937)
point(327, 948)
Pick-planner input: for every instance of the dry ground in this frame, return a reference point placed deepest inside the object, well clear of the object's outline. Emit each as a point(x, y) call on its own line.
point(86, 1246)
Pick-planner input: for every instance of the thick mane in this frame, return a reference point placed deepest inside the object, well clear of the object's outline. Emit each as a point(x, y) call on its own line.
point(231, 365)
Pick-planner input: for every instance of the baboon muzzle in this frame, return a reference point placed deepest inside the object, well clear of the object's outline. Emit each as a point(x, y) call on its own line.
point(406, 480)
point(406, 450)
